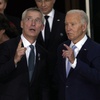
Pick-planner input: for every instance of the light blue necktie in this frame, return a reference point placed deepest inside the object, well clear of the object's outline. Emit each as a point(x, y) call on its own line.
point(68, 64)
point(31, 62)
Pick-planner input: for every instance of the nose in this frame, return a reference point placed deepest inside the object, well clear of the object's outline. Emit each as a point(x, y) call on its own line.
point(43, 3)
point(33, 22)
point(67, 27)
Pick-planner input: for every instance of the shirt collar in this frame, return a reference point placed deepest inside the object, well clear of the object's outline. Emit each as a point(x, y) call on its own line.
point(26, 43)
point(51, 14)
point(80, 43)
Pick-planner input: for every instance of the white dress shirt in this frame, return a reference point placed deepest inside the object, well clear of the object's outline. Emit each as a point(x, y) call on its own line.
point(79, 46)
point(26, 44)
point(50, 20)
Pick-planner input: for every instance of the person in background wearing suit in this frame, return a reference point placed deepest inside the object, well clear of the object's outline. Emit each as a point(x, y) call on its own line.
point(77, 75)
point(15, 83)
point(6, 31)
point(13, 21)
point(56, 36)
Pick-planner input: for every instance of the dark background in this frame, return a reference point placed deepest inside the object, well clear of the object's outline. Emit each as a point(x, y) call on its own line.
point(16, 7)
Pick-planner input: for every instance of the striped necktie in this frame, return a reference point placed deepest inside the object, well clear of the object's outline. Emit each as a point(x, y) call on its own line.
point(68, 63)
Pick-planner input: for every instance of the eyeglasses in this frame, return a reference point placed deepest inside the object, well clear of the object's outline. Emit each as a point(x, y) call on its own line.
point(37, 20)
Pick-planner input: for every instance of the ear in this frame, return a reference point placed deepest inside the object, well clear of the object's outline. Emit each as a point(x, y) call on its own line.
point(5, 5)
point(21, 24)
point(42, 27)
point(84, 27)
point(54, 1)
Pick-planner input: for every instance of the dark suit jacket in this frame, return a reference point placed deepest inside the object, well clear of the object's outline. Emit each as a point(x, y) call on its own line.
point(57, 36)
point(83, 82)
point(14, 82)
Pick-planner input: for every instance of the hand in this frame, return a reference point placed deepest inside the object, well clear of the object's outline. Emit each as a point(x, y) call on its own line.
point(68, 53)
point(19, 52)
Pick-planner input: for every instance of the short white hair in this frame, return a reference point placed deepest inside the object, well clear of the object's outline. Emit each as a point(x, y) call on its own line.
point(83, 15)
point(33, 9)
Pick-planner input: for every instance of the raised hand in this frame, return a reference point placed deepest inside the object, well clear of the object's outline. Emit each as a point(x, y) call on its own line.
point(20, 51)
point(68, 53)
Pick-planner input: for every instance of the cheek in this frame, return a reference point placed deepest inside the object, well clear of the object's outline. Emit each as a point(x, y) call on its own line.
point(77, 29)
point(39, 27)
point(38, 4)
point(78, 33)
point(26, 25)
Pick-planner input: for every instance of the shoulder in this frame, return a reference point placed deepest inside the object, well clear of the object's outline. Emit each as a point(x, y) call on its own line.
point(11, 43)
point(59, 14)
point(92, 48)
point(92, 43)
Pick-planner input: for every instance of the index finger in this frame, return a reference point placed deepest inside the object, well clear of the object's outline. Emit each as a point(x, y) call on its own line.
point(67, 47)
point(20, 44)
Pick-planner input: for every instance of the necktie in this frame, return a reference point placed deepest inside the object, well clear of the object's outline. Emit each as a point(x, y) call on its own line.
point(47, 30)
point(31, 62)
point(68, 63)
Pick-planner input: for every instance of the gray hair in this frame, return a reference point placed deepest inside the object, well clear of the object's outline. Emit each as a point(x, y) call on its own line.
point(83, 15)
point(33, 9)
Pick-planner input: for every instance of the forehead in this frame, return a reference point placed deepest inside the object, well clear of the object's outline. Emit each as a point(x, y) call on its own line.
point(33, 14)
point(73, 16)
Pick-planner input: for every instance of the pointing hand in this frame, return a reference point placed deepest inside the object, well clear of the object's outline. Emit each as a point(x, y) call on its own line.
point(19, 52)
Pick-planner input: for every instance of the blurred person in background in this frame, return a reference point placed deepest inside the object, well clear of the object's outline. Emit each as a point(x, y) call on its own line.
point(13, 21)
point(6, 31)
point(56, 35)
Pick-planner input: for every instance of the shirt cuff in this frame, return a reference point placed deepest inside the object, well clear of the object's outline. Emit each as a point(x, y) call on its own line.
point(74, 64)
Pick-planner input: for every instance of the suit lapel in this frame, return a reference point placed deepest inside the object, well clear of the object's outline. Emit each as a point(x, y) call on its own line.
point(55, 29)
point(83, 53)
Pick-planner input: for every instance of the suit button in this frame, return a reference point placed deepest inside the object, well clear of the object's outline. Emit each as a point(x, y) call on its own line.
point(66, 86)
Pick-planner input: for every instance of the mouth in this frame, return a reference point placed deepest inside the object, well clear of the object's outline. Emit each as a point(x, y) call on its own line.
point(69, 34)
point(44, 9)
point(32, 29)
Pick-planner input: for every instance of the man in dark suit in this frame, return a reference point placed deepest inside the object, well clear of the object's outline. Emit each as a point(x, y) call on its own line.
point(14, 64)
point(57, 33)
point(77, 75)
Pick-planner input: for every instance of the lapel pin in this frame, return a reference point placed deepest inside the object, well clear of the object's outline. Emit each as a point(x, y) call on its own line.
point(38, 56)
point(58, 19)
point(85, 49)
point(61, 34)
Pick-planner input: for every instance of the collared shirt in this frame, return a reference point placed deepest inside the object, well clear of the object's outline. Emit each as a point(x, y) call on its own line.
point(79, 46)
point(26, 44)
point(50, 20)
